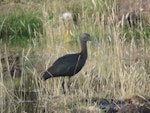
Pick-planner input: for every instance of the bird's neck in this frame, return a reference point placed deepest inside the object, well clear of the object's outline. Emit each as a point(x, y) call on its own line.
point(84, 50)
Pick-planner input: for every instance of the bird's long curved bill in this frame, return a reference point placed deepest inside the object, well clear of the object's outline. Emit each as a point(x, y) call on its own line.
point(96, 43)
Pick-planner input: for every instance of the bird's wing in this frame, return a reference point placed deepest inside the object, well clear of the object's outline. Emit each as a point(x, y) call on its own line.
point(64, 66)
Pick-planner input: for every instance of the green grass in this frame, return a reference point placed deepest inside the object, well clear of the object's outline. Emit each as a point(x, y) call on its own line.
point(118, 70)
point(19, 28)
point(137, 33)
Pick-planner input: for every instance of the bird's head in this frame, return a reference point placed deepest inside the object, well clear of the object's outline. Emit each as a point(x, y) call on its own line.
point(85, 37)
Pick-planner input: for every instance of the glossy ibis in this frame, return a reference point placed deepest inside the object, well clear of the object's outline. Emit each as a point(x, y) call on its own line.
point(70, 64)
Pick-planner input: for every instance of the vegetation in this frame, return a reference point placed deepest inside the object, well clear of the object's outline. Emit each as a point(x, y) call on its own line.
point(18, 27)
point(34, 32)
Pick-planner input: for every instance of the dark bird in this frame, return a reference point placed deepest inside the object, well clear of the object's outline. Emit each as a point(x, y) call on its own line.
point(70, 64)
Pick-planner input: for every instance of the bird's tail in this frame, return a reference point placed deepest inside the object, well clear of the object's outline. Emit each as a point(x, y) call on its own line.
point(46, 75)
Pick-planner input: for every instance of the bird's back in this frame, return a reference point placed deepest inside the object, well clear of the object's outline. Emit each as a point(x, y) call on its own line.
point(67, 65)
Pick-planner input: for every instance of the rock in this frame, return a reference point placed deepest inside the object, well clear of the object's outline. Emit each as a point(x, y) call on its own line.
point(129, 108)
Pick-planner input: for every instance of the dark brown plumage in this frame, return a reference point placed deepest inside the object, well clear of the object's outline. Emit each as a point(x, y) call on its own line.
point(70, 64)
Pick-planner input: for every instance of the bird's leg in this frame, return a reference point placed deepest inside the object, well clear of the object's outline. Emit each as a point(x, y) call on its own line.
point(63, 86)
point(69, 83)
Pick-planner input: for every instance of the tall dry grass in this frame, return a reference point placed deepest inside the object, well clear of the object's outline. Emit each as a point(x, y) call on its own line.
point(118, 70)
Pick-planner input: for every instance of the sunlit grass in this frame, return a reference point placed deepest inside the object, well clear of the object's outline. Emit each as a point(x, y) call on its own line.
point(117, 70)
